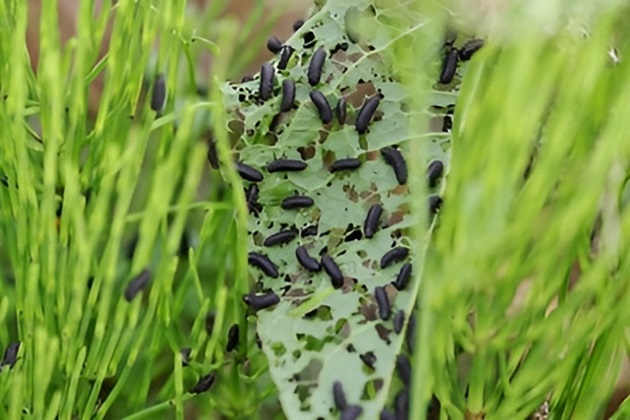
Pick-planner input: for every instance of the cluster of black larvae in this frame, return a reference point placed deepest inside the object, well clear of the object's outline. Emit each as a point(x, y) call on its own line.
point(328, 195)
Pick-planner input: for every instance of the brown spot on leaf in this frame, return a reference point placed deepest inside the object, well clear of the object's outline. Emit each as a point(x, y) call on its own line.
point(368, 310)
point(351, 193)
point(400, 190)
point(383, 333)
point(348, 284)
point(373, 155)
point(362, 91)
point(395, 217)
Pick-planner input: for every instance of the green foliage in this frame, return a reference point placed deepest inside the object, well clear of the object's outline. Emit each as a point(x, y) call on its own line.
point(90, 203)
point(526, 280)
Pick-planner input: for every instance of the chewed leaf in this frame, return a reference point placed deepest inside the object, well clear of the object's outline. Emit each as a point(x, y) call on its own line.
point(329, 327)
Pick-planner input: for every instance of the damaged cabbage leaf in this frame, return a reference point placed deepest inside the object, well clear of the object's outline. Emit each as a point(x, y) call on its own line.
point(319, 334)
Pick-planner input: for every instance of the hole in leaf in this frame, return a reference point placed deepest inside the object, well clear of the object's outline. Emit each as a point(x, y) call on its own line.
point(236, 128)
point(307, 379)
point(322, 313)
point(360, 288)
point(304, 392)
point(313, 343)
point(278, 349)
point(369, 359)
point(310, 373)
point(363, 144)
point(328, 158)
point(371, 389)
point(363, 91)
point(306, 152)
point(355, 235)
point(309, 40)
point(342, 327)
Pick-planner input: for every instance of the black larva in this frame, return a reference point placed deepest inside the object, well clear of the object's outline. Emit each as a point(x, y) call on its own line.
point(410, 333)
point(288, 95)
point(286, 165)
point(332, 269)
point(434, 173)
point(297, 25)
point(204, 384)
point(137, 284)
point(232, 341)
point(366, 113)
point(213, 158)
point(449, 67)
point(402, 279)
point(264, 263)
point(387, 415)
point(297, 202)
point(399, 321)
point(322, 105)
point(280, 238)
point(371, 221)
point(351, 412)
point(251, 193)
point(347, 164)
point(309, 231)
point(369, 359)
point(251, 196)
point(384, 308)
point(274, 45)
point(10, 354)
point(469, 48)
point(395, 159)
point(394, 255)
point(259, 302)
point(285, 54)
point(158, 96)
point(248, 173)
point(450, 37)
point(341, 110)
point(435, 203)
point(267, 78)
point(401, 403)
point(184, 353)
point(339, 396)
point(305, 260)
point(403, 367)
point(315, 67)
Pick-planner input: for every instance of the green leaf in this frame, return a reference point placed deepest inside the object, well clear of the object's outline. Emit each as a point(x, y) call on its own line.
point(317, 334)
